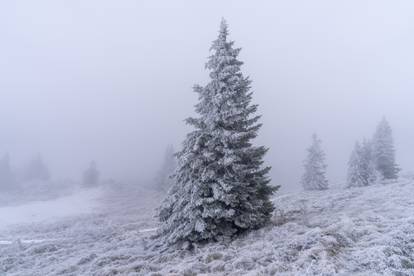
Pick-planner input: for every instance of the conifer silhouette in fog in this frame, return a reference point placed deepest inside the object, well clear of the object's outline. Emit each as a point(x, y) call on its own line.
point(384, 152)
point(163, 180)
point(361, 166)
point(36, 169)
point(90, 177)
point(314, 177)
point(7, 177)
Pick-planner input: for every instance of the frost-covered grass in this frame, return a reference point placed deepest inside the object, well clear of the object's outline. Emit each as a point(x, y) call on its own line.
point(92, 243)
point(359, 231)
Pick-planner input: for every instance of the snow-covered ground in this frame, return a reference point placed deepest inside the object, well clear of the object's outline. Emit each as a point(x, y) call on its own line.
point(41, 211)
point(360, 231)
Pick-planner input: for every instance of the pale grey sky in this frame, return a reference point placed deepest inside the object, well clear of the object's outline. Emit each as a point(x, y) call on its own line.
point(111, 80)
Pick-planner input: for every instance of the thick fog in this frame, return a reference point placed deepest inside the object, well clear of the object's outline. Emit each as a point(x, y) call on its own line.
point(111, 81)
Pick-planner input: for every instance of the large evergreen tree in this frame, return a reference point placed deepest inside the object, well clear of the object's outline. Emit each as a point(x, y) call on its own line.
point(314, 177)
point(361, 168)
point(221, 187)
point(383, 151)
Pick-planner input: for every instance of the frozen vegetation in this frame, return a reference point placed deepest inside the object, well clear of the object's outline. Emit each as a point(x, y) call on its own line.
point(336, 232)
point(314, 177)
point(221, 185)
point(222, 214)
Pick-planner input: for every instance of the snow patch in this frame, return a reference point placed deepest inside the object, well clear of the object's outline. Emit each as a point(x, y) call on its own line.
point(83, 202)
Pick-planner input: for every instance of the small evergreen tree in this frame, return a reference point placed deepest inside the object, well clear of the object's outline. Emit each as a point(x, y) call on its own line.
point(221, 187)
point(36, 169)
point(164, 177)
point(354, 167)
point(361, 170)
point(91, 176)
point(383, 151)
point(314, 177)
point(7, 177)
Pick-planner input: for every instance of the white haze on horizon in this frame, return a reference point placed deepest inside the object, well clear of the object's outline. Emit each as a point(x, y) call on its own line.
point(111, 80)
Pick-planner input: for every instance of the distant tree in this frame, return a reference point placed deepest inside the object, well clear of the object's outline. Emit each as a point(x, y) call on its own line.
point(164, 177)
point(354, 178)
point(36, 169)
point(221, 187)
point(384, 152)
point(7, 177)
point(361, 167)
point(91, 176)
point(314, 177)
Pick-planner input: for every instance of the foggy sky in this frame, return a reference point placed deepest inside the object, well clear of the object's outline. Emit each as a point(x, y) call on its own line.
point(111, 80)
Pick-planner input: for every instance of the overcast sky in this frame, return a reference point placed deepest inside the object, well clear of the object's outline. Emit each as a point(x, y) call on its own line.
point(111, 80)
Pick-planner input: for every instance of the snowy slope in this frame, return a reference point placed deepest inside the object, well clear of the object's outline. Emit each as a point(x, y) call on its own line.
point(360, 231)
point(79, 203)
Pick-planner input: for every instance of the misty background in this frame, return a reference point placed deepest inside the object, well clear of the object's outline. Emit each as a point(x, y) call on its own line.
point(112, 81)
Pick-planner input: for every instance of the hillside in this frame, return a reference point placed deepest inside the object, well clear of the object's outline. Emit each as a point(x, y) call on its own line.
point(360, 231)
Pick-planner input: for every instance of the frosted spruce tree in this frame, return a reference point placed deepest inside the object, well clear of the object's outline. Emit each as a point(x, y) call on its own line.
point(361, 168)
point(221, 187)
point(368, 166)
point(314, 177)
point(383, 151)
point(164, 179)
